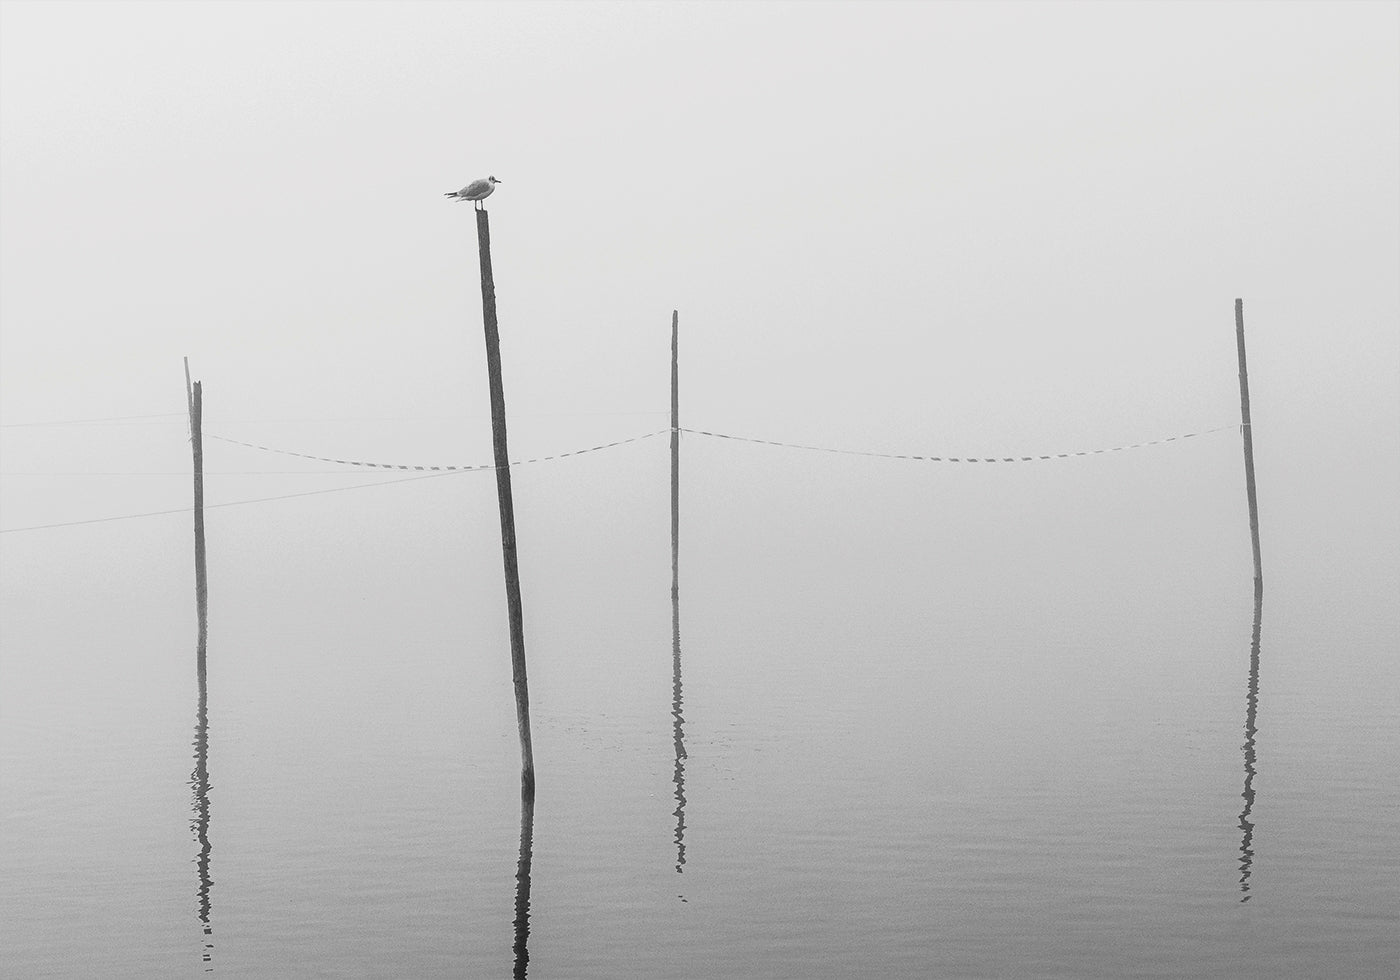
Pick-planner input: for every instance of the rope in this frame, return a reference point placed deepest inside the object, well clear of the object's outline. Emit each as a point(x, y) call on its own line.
point(726, 435)
point(430, 472)
point(960, 459)
point(437, 469)
point(434, 471)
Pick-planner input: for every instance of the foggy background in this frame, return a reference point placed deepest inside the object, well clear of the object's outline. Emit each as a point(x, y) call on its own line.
point(935, 229)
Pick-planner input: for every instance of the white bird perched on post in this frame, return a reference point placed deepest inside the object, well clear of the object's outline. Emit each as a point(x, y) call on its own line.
point(475, 191)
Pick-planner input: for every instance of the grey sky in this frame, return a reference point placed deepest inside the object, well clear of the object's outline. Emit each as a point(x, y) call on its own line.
point(924, 227)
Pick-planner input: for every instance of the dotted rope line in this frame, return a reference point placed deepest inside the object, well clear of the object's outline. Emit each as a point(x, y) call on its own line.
point(963, 459)
point(725, 435)
point(429, 472)
point(436, 469)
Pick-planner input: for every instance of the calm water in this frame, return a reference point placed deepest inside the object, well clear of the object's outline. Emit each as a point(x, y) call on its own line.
point(919, 722)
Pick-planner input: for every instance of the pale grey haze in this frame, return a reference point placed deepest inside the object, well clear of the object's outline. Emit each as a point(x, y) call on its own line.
point(933, 226)
point(941, 720)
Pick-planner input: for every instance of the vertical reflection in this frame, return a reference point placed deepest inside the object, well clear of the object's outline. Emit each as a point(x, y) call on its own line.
point(677, 719)
point(522, 881)
point(1250, 728)
point(678, 725)
point(199, 781)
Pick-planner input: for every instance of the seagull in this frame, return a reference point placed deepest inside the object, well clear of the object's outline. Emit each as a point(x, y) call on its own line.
point(475, 191)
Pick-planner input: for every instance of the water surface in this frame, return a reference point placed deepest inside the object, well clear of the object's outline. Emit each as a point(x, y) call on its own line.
point(910, 722)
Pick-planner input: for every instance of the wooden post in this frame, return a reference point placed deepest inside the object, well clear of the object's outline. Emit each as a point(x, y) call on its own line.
point(199, 779)
point(201, 574)
point(1248, 450)
point(507, 507)
point(675, 461)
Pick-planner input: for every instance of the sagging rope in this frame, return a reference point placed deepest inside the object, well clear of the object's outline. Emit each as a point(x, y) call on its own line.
point(725, 435)
point(437, 469)
point(964, 459)
point(431, 471)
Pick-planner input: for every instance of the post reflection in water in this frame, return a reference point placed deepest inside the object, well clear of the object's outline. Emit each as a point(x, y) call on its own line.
point(522, 882)
point(678, 721)
point(1250, 728)
point(199, 781)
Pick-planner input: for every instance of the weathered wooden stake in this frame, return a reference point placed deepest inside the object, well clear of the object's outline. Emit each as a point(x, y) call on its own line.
point(1248, 450)
point(507, 507)
point(201, 574)
point(675, 460)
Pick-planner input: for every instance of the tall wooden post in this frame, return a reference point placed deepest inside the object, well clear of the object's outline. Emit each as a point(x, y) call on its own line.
point(1248, 450)
point(199, 778)
point(675, 459)
point(507, 507)
point(201, 574)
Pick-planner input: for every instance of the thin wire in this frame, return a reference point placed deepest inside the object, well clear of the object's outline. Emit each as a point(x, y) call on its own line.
point(230, 503)
point(115, 418)
point(96, 520)
point(450, 470)
point(440, 471)
point(427, 418)
point(137, 419)
point(186, 473)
